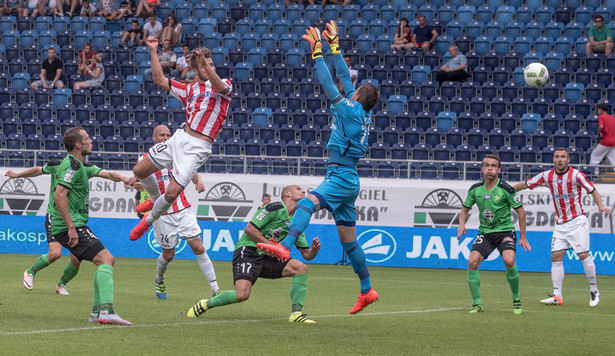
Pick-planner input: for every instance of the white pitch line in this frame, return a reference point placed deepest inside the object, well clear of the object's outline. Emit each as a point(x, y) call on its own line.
point(100, 327)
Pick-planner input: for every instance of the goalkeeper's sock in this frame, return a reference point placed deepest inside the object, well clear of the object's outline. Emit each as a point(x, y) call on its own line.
point(104, 281)
point(474, 284)
point(298, 291)
point(225, 298)
point(359, 263)
point(161, 269)
point(41, 262)
point(512, 275)
point(300, 222)
point(70, 272)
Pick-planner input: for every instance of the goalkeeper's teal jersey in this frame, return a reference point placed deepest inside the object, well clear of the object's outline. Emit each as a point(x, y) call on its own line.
point(494, 206)
point(272, 221)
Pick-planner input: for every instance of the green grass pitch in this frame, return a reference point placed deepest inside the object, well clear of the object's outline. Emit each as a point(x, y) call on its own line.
point(420, 311)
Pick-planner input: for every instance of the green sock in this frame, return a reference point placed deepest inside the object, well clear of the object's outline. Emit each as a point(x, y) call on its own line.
point(474, 284)
point(225, 298)
point(96, 303)
point(70, 272)
point(40, 263)
point(512, 275)
point(103, 282)
point(298, 291)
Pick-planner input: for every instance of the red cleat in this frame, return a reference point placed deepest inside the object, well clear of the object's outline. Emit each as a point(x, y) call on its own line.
point(139, 230)
point(275, 250)
point(365, 299)
point(145, 206)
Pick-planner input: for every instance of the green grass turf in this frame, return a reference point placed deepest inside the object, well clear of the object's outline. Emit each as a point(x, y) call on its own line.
point(421, 311)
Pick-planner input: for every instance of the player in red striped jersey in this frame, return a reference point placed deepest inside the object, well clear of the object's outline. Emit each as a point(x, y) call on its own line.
point(177, 222)
point(571, 229)
point(206, 101)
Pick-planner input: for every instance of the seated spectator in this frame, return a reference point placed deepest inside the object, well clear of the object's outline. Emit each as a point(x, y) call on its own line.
point(403, 36)
point(188, 75)
point(455, 68)
point(106, 9)
point(12, 8)
point(353, 75)
point(153, 27)
point(600, 38)
point(173, 31)
point(133, 37)
point(51, 71)
point(87, 9)
point(85, 59)
point(67, 8)
point(182, 62)
point(35, 8)
point(167, 59)
point(606, 146)
point(127, 8)
point(97, 75)
point(146, 7)
point(423, 35)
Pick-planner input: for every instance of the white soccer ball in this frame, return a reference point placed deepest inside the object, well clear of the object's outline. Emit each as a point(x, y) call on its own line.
point(536, 75)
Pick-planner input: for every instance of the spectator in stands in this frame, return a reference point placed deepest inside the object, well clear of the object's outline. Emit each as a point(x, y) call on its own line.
point(51, 71)
point(35, 8)
point(423, 35)
point(167, 59)
point(173, 31)
point(85, 59)
point(455, 68)
point(87, 9)
point(147, 7)
point(182, 62)
point(133, 37)
point(153, 27)
point(97, 75)
point(600, 38)
point(12, 8)
point(353, 75)
point(127, 8)
point(106, 9)
point(403, 36)
point(67, 7)
point(606, 129)
point(335, 2)
point(188, 74)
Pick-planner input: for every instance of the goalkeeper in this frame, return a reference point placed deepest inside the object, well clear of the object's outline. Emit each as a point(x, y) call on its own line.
point(269, 222)
point(348, 143)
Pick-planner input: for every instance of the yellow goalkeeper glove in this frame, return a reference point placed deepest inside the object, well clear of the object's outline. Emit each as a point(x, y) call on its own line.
point(313, 37)
point(331, 35)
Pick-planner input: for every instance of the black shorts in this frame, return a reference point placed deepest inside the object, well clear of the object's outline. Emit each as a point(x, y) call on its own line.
point(486, 243)
point(48, 229)
point(88, 247)
point(250, 265)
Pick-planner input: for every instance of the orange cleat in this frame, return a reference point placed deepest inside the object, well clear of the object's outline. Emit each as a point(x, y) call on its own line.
point(145, 206)
point(275, 250)
point(139, 230)
point(365, 299)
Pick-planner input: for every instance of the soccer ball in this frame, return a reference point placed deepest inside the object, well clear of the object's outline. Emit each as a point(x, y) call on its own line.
point(536, 75)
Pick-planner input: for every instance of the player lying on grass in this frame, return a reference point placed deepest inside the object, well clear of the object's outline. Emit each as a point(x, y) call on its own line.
point(269, 223)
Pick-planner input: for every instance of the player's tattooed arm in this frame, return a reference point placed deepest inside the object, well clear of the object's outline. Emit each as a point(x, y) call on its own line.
point(254, 234)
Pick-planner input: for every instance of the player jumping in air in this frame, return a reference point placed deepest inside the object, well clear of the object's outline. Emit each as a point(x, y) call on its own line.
point(270, 222)
point(494, 199)
point(571, 227)
point(206, 101)
point(348, 143)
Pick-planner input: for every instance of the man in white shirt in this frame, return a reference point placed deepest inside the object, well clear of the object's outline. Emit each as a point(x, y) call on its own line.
point(153, 27)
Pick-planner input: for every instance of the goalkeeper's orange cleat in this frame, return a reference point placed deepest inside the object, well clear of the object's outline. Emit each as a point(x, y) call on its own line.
point(140, 229)
point(145, 206)
point(365, 299)
point(313, 37)
point(275, 250)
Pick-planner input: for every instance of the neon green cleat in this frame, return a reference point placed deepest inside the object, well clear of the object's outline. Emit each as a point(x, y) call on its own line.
point(218, 292)
point(299, 317)
point(476, 308)
point(161, 290)
point(517, 307)
point(198, 309)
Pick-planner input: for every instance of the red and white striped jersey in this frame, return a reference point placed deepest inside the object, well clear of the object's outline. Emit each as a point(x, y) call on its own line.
point(163, 178)
point(566, 191)
point(205, 108)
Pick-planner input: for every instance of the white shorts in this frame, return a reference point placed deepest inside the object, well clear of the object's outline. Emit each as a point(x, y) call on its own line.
point(573, 234)
point(170, 227)
point(182, 155)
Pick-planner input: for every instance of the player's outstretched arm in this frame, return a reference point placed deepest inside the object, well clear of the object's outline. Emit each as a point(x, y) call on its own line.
point(209, 73)
point(116, 177)
point(157, 73)
point(520, 186)
point(324, 76)
point(463, 216)
point(309, 253)
point(30, 172)
point(522, 227)
point(598, 199)
point(343, 73)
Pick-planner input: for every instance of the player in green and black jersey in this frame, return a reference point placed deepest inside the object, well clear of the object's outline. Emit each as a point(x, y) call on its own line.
point(494, 199)
point(55, 249)
point(268, 225)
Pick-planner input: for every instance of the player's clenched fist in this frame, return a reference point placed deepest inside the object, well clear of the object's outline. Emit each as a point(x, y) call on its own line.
point(152, 43)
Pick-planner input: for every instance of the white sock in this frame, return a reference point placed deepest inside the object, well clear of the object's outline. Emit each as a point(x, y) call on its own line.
point(208, 270)
point(151, 186)
point(162, 269)
point(557, 276)
point(590, 272)
point(161, 205)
